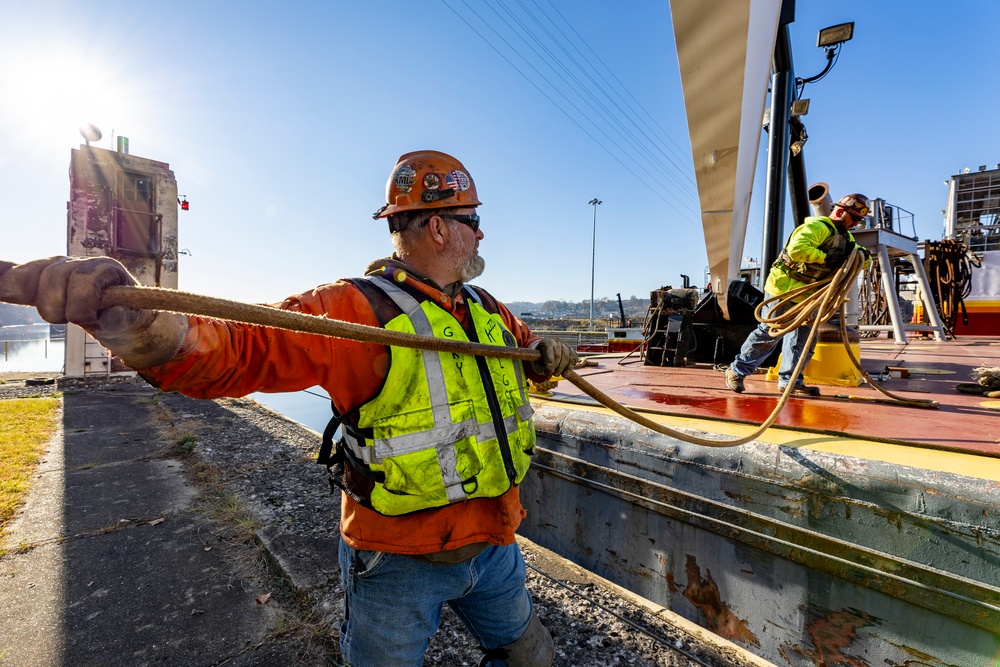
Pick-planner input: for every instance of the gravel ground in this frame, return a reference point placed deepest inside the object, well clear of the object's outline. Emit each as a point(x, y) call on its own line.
point(268, 461)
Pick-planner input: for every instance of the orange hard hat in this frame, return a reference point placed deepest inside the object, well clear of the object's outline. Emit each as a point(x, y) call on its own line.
point(856, 204)
point(427, 179)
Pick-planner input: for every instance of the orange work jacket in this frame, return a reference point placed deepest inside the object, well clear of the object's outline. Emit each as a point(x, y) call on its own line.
point(219, 359)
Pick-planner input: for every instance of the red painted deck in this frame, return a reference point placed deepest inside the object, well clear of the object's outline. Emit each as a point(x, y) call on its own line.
point(963, 422)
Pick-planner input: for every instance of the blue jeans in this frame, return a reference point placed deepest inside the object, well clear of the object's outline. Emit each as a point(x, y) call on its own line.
point(392, 603)
point(759, 344)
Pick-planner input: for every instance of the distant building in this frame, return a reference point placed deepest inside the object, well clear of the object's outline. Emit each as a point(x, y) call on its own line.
point(973, 218)
point(125, 207)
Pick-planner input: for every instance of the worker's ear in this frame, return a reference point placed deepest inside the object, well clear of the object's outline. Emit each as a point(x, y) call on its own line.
point(439, 231)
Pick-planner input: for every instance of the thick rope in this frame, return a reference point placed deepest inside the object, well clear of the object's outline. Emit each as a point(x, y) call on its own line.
point(791, 317)
point(195, 304)
point(829, 293)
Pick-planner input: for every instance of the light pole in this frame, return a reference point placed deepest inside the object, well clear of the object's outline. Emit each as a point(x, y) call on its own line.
point(593, 255)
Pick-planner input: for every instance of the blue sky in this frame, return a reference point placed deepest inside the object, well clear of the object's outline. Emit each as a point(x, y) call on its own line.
point(282, 122)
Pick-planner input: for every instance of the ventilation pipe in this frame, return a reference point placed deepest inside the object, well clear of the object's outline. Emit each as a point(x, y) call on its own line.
point(820, 199)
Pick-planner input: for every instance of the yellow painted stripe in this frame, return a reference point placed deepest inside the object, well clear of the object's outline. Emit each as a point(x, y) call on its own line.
point(969, 465)
point(982, 305)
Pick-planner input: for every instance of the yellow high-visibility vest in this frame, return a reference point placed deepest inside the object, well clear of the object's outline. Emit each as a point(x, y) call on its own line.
point(445, 427)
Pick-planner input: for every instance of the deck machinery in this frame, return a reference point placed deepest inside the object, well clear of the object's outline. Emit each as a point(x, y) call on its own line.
point(682, 329)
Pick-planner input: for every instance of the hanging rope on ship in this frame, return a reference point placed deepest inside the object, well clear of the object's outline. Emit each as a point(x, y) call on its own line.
point(826, 298)
point(949, 270)
point(872, 301)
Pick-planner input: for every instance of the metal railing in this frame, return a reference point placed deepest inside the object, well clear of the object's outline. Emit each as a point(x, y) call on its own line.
point(576, 337)
point(885, 215)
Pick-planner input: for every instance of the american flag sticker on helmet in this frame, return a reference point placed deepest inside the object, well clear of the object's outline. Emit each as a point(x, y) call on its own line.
point(459, 180)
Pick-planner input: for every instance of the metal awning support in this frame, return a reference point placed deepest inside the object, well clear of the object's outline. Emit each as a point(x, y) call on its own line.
point(724, 59)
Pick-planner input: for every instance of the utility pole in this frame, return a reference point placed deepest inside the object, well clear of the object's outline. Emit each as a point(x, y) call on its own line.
point(593, 256)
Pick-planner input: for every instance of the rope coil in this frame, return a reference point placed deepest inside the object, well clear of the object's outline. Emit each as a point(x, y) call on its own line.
point(949, 267)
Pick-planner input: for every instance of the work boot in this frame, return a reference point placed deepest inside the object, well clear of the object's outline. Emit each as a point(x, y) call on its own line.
point(734, 381)
point(802, 390)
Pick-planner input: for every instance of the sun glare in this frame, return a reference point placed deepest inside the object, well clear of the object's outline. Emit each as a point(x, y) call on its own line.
point(50, 93)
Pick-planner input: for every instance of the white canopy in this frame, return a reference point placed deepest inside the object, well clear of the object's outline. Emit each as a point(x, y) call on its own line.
point(724, 50)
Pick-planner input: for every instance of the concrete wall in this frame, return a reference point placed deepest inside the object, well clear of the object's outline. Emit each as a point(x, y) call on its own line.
point(125, 207)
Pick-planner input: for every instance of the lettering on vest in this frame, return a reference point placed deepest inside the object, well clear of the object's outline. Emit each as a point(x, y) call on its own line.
point(490, 328)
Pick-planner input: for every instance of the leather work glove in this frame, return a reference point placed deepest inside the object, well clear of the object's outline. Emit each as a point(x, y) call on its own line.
point(557, 357)
point(836, 257)
point(865, 253)
point(68, 289)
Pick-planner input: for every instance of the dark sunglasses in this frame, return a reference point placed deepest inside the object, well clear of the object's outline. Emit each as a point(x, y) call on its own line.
point(470, 220)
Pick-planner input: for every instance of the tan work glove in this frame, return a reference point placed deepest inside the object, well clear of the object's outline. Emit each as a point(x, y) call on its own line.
point(557, 357)
point(68, 289)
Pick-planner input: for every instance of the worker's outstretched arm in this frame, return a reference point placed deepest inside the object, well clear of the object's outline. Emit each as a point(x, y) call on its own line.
point(70, 289)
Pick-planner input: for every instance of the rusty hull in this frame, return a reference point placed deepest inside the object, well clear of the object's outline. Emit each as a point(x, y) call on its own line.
point(802, 556)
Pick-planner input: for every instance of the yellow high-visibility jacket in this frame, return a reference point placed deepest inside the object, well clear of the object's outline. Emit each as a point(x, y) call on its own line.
point(803, 259)
point(445, 427)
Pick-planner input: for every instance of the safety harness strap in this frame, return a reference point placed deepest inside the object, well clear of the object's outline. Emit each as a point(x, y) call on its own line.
point(524, 411)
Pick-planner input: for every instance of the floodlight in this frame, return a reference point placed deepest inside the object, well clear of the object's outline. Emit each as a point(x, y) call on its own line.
point(835, 34)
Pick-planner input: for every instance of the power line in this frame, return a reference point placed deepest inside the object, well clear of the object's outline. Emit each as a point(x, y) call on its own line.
point(578, 86)
point(686, 168)
point(556, 91)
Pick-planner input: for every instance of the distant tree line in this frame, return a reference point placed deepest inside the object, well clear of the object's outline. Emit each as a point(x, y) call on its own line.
point(14, 314)
point(635, 309)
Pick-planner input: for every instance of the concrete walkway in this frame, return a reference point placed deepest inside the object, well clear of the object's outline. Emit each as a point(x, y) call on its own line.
point(118, 565)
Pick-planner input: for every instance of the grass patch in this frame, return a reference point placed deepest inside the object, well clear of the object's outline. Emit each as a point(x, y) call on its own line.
point(25, 427)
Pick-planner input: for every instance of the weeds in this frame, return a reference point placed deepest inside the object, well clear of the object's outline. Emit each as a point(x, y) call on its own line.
point(232, 527)
point(187, 443)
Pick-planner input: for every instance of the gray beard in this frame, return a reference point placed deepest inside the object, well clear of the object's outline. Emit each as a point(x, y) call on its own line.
point(472, 269)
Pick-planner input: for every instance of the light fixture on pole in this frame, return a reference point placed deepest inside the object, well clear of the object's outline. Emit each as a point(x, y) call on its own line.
point(593, 256)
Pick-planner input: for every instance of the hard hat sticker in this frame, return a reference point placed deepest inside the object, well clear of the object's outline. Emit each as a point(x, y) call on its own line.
point(404, 178)
point(432, 181)
point(459, 180)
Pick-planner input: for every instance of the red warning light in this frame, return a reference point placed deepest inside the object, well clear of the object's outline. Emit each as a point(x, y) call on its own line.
point(185, 206)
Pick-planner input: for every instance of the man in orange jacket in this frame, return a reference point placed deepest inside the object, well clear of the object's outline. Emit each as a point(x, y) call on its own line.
point(433, 445)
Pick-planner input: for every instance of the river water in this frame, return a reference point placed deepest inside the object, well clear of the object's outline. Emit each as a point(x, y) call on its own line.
point(29, 348)
point(310, 407)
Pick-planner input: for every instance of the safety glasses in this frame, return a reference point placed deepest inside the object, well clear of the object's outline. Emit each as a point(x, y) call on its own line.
point(470, 220)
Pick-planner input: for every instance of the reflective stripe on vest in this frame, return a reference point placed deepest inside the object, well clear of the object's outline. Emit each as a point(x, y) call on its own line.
point(467, 457)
